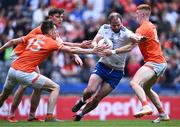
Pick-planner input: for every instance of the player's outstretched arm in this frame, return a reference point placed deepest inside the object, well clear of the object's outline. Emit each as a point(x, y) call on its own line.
point(10, 43)
point(84, 44)
point(77, 50)
point(137, 38)
point(123, 49)
point(126, 48)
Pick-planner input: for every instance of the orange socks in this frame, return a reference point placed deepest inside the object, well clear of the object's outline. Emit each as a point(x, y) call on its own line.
point(49, 116)
point(144, 103)
point(160, 110)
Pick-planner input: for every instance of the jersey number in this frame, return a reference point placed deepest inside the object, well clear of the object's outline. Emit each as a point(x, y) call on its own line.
point(156, 36)
point(34, 44)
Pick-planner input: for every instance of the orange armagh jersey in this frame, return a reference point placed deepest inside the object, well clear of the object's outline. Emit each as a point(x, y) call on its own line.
point(21, 47)
point(37, 49)
point(151, 48)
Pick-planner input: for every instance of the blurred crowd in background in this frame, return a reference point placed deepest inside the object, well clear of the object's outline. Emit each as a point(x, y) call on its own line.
point(82, 20)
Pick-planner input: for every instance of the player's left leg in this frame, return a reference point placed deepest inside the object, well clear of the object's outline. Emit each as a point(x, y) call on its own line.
point(153, 96)
point(4, 95)
point(92, 104)
point(35, 98)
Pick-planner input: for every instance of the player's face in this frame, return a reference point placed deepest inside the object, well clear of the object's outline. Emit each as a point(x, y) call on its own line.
point(53, 33)
point(116, 24)
point(57, 19)
point(139, 16)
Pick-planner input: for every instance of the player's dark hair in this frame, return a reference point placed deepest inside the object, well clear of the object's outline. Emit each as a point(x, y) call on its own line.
point(46, 26)
point(114, 15)
point(55, 11)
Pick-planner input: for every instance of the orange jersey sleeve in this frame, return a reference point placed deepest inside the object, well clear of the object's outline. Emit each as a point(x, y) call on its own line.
point(151, 48)
point(37, 49)
point(21, 47)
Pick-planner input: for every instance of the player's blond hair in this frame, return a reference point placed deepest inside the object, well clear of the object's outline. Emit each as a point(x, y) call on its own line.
point(145, 7)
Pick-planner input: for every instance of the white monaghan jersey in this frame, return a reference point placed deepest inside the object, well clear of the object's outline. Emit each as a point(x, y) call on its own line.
point(119, 39)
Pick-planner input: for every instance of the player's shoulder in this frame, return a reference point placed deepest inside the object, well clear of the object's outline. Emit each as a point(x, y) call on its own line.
point(106, 26)
point(36, 30)
point(29, 36)
point(124, 29)
point(147, 25)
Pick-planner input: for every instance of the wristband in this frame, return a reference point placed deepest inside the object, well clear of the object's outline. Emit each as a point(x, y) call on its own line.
point(113, 52)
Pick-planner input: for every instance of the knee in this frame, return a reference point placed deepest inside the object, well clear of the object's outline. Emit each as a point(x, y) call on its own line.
point(90, 90)
point(37, 91)
point(133, 83)
point(22, 88)
point(146, 89)
point(96, 99)
point(57, 87)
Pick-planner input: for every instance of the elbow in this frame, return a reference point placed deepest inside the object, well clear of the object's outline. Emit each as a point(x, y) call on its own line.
point(12, 42)
point(130, 49)
point(72, 50)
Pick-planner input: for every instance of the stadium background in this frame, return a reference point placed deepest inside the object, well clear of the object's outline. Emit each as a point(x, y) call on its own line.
point(81, 21)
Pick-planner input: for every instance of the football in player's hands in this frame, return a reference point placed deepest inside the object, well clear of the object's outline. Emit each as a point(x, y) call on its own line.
point(105, 41)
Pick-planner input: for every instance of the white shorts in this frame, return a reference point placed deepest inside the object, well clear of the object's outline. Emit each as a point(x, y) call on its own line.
point(13, 56)
point(33, 79)
point(159, 68)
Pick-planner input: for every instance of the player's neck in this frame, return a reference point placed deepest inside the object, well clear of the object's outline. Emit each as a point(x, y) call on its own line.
point(144, 20)
point(49, 36)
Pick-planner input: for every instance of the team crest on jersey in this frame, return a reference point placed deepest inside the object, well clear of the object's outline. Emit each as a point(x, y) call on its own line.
point(94, 71)
point(122, 29)
point(106, 26)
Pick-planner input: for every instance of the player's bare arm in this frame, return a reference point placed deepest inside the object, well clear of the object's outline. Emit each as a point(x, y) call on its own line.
point(10, 43)
point(137, 38)
point(123, 49)
point(95, 41)
point(83, 44)
point(77, 50)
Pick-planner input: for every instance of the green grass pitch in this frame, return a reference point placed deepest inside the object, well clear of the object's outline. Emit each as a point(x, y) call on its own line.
point(109, 123)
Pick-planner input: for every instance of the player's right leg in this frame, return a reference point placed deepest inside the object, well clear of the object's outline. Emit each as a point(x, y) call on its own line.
point(53, 88)
point(143, 75)
point(35, 98)
point(38, 81)
point(16, 101)
point(8, 86)
point(94, 82)
point(4, 95)
point(93, 103)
